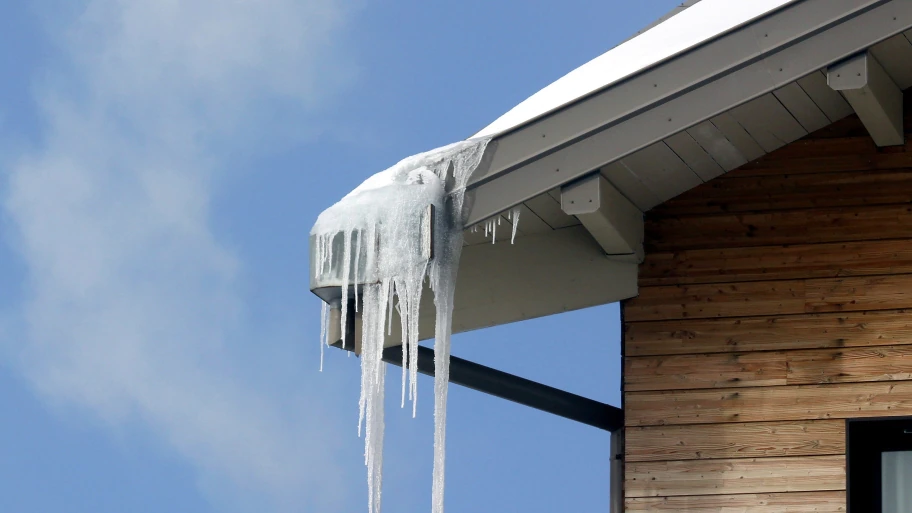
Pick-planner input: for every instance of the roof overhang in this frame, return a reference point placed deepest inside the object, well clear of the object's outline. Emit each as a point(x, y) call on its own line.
point(732, 69)
point(710, 103)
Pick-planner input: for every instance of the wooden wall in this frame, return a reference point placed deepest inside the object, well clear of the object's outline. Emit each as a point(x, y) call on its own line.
point(775, 302)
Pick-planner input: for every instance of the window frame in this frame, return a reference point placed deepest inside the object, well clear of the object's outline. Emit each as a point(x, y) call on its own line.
point(866, 441)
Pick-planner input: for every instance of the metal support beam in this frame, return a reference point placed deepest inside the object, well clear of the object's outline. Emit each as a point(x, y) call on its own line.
point(514, 388)
point(871, 92)
point(614, 222)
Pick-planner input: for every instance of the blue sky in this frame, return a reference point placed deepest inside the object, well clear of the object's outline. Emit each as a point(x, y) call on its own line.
point(161, 164)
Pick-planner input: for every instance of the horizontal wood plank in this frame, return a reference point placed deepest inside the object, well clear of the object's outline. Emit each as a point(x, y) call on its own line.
point(857, 365)
point(718, 370)
point(771, 368)
point(732, 265)
point(859, 293)
point(717, 300)
point(791, 191)
point(832, 330)
point(797, 402)
point(816, 226)
point(796, 502)
point(752, 475)
point(742, 440)
point(775, 302)
point(897, 158)
point(810, 147)
point(770, 298)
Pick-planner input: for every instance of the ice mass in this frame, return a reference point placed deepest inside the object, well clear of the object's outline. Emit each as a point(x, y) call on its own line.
point(401, 228)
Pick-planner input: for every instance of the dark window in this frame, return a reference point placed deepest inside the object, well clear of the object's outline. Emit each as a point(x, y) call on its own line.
point(879, 465)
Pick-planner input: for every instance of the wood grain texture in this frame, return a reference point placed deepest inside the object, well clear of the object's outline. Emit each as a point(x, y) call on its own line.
point(742, 440)
point(858, 365)
point(770, 298)
point(887, 159)
point(797, 502)
point(854, 329)
point(798, 402)
point(732, 265)
point(717, 300)
point(812, 147)
point(719, 370)
point(771, 368)
point(792, 191)
point(859, 293)
point(751, 475)
point(825, 225)
point(775, 302)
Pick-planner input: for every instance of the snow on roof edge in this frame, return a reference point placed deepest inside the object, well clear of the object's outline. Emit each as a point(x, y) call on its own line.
point(701, 22)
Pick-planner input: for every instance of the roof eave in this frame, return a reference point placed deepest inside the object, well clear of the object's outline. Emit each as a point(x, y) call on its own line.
point(732, 69)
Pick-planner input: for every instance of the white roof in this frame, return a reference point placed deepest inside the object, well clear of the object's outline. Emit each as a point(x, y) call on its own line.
point(700, 22)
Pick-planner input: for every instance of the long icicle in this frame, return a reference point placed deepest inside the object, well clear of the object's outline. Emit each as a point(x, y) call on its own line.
point(402, 294)
point(383, 221)
point(346, 275)
point(357, 234)
point(324, 324)
point(416, 286)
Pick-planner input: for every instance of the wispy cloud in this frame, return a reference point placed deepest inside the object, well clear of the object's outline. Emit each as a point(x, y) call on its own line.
point(131, 302)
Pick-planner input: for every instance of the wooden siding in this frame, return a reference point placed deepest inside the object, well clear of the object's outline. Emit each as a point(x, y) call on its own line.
point(775, 302)
point(813, 502)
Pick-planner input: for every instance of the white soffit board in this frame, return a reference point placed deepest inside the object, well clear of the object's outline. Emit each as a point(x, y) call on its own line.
point(544, 274)
point(691, 27)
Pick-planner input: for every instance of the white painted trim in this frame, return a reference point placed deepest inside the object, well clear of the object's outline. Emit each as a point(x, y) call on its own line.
point(687, 29)
point(612, 220)
point(873, 95)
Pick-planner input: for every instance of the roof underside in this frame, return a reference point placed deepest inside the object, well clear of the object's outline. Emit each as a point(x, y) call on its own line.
point(710, 102)
point(654, 135)
point(698, 115)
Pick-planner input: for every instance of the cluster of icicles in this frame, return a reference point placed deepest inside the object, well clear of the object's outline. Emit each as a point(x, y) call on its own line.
point(490, 226)
point(376, 240)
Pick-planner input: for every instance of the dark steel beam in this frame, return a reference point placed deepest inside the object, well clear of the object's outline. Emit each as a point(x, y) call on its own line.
point(514, 388)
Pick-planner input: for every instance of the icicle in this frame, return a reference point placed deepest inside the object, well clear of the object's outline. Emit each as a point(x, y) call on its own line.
point(324, 324)
point(357, 235)
point(386, 215)
point(373, 372)
point(346, 272)
point(389, 316)
point(494, 231)
point(329, 252)
point(514, 216)
point(402, 294)
point(321, 262)
point(415, 287)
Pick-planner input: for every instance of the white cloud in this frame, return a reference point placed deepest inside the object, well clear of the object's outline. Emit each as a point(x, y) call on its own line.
point(132, 303)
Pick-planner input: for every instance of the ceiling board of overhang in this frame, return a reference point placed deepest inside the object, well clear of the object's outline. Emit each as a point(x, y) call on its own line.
point(522, 284)
point(728, 138)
